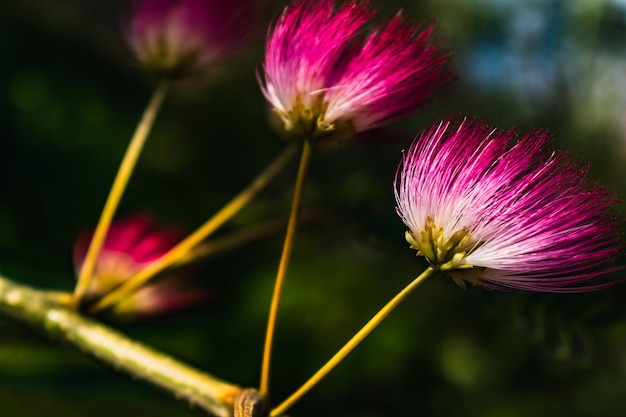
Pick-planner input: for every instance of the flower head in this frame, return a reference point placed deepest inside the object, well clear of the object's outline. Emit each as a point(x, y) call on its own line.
point(180, 37)
point(327, 76)
point(498, 209)
point(130, 246)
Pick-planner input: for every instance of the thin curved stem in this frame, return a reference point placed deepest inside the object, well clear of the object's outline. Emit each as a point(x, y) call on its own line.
point(292, 227)
point(352, 343)
point(239, 238)
point(117, 190)
point(182, 250)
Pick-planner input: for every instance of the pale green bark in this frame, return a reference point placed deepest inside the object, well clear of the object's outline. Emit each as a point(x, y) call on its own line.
point(39, 309)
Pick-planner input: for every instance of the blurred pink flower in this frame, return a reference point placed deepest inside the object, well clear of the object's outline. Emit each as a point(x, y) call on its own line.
point(131, 245)
point(327, 73)
point(181, 37)
point(500, 210)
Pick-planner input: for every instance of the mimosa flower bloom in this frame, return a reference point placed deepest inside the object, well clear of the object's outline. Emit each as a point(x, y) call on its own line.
point(498, 209)
point(181, 37)
point(131, 245)
point(329, 73)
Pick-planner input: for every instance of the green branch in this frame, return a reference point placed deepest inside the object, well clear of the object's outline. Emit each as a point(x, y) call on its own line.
point(41, 310)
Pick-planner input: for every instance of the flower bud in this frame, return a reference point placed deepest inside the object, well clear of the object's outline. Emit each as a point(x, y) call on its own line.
point(182, 37)
point(131, 245)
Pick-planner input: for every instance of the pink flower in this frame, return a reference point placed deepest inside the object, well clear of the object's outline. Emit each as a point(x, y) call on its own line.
point(130, 246)
point(326, 75)
point(179, 37)
point(493, 208)
point(162, 297)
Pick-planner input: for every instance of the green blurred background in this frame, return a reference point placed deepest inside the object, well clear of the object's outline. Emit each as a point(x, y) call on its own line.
point(71, 94)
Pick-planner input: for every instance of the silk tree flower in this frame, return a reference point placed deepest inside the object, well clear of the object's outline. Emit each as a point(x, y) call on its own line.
point(329, 73)
point(182, 37)
point(497, 209)
point(131, 245)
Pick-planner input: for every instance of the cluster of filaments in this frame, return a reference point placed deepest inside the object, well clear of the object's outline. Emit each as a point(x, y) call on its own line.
point(443, 253)
point(309, 121)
